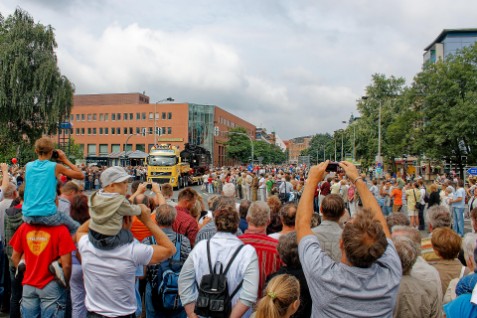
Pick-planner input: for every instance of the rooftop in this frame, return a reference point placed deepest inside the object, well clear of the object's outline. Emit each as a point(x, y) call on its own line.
point(447, 32)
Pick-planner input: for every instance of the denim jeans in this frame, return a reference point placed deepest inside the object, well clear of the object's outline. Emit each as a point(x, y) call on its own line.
point(55, 219)
point(77, 292)
point(49, 302)
point(458, 216)
point(16, 293)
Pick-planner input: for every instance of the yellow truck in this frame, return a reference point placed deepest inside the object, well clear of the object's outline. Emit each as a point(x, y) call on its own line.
point(164, 165)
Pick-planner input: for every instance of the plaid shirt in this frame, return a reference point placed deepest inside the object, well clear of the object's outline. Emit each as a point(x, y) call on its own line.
point(185, 224)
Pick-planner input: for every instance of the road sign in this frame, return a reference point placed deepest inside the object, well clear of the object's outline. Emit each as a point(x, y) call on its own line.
point(379, 170)
point(472, 171)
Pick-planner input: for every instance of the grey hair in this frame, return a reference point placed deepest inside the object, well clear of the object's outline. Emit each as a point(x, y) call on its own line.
point(468, 245)
point(439, 216)
point(411, 233)
point(228, 190)
point(165, 215)
point(407, 252)
point(258, 214)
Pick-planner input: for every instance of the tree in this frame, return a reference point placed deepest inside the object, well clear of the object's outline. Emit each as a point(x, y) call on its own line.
point(385, 93)
point(34, 96)
point(445, 93)
point(238, 146)
point(320, 145)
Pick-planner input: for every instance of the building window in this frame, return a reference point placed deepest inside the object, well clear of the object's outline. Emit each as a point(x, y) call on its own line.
point(118, 131)
point(157, 115)
point(82, 131)
point(125, 130)
point(82, 117)
point(77, 117)
point(131, 116)
point(89, 131)
point(163, 115)
point(94, 131)
point(141, 147)
point(169, 115)
point(138, 116)
point(103, 149)
point(113, 116)
point(77, 131)
point(72, 117)
point(89, 117)
point(150, 131)
point(91, 149)
point(100, 131)
point(138, 130)
point(113, 131)
point(143, 116)
point(115, 148)
point(131, 130)
point(106, 129)
point(151, 115)
point(81, 148)
point(169, 130)
point(125, 116)
point(106, 117)
point(94, 117)
point(100, 117)
point(118, 116)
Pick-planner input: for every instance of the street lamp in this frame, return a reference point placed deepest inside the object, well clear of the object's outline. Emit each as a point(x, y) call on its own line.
point(379, 159)
point(342, 143)
point(125, 145)
point(168, 99)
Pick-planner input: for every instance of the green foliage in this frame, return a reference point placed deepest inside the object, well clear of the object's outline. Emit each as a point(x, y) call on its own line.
point(321, 145)
point(238, 146)
point(34, 96)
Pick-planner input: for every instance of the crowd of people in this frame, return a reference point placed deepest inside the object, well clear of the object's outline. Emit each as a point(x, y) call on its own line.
point(270, 243)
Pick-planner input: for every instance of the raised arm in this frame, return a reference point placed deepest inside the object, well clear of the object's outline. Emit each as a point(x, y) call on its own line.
point(368, 199)
point(305, 206)
point(73, 172)
point(5, 176)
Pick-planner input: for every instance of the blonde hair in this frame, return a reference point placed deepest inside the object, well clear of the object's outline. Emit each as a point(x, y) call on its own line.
point(281, 292)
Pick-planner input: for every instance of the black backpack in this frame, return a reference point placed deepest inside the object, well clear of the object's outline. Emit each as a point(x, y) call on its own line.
point(165, 290)
point(214, 299)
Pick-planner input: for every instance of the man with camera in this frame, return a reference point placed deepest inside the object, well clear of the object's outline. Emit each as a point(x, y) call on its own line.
point(366, 280)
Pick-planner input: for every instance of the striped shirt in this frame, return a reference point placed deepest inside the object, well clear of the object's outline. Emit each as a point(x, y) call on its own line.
point(268, 258)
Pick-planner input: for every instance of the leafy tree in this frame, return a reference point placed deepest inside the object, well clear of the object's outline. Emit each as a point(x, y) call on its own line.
point(445, 93)
point(34, 96)
point(385, 93)
point(320, 145)
point(238, 146)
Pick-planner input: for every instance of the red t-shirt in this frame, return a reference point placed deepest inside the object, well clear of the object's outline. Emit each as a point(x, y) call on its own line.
point(397, 195)
point(41, 245)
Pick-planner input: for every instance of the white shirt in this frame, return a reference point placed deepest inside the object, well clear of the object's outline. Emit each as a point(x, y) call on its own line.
point(109, 276)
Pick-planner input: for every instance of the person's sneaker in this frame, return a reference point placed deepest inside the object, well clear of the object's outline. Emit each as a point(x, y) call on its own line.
point(56, 269)
point(20, 269)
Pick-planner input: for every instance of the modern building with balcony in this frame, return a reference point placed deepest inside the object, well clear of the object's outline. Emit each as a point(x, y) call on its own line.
point(448, 42)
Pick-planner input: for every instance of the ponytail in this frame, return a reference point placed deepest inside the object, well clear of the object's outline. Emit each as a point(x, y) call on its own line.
point(281, 292)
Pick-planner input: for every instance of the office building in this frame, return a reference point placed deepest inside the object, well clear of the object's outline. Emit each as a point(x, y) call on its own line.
point(448, 42)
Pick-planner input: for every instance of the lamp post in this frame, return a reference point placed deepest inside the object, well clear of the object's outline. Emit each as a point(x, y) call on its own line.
point(342, 140)
point(379, 158)
point(124, 149)
point(168, 99)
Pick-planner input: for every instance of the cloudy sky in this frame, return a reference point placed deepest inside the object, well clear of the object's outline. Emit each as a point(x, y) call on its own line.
point(295, 67)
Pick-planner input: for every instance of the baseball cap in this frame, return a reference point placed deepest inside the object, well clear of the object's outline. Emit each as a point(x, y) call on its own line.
point(112, 175)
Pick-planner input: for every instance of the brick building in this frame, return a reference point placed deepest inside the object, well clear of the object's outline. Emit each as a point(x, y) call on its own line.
point(295, 147)
point(110, 123)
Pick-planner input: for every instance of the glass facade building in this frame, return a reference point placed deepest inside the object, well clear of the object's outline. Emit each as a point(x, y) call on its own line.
point(201, 126)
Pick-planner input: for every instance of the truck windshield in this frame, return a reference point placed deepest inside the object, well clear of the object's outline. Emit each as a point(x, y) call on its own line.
point(161, 161)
